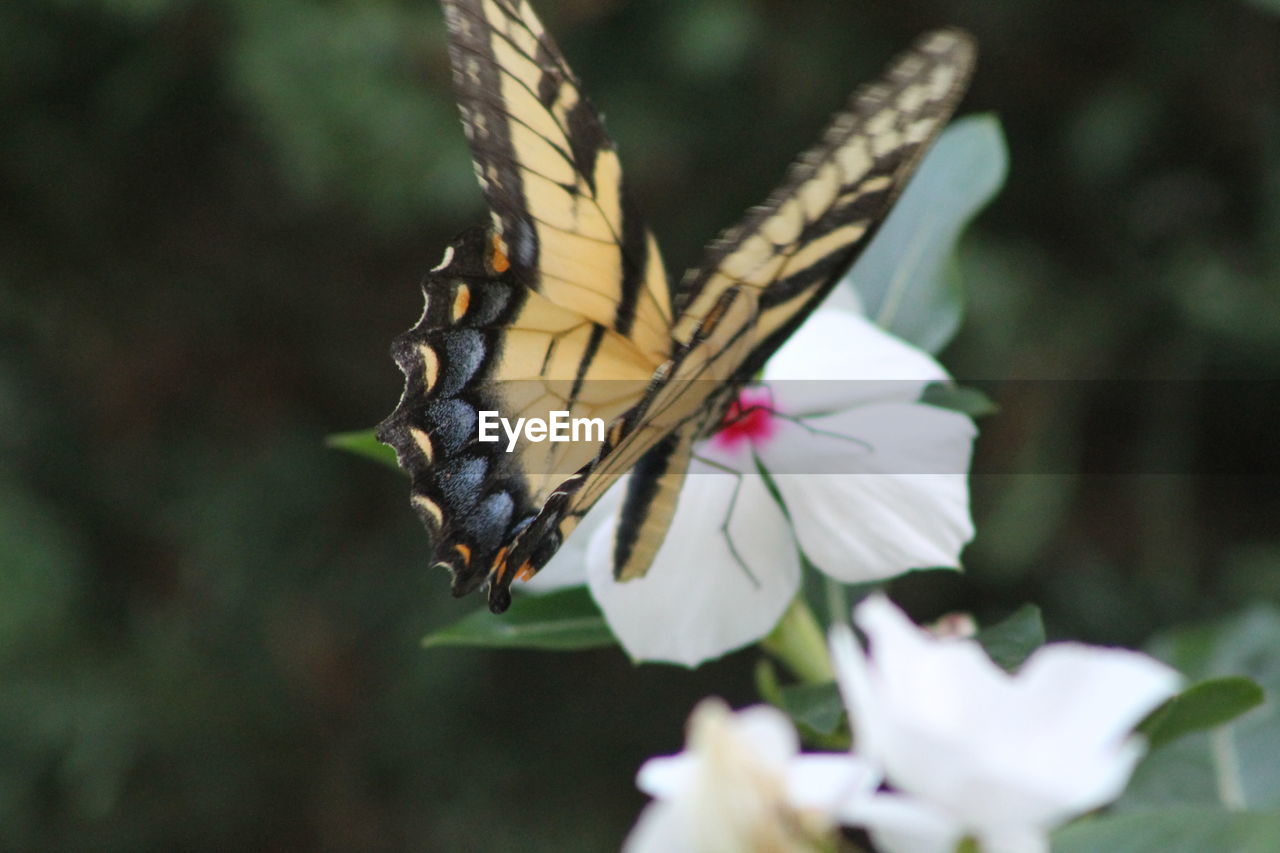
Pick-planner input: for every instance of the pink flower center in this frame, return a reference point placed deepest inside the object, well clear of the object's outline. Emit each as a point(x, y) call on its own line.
point(749, 419)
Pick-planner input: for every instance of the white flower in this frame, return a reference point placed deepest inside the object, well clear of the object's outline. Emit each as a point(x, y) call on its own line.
point(974, 751)
point(872, 484)
point(741, 786)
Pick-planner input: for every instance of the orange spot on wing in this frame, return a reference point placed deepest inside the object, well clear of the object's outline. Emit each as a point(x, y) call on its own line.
point(461, 302)
point(465, 552)
point(526, 572)
point(499, 565)
point(717, 312)
point(498, 260)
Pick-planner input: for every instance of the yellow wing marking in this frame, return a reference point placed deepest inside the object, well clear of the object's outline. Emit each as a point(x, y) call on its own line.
point(650, 531)
point(544, 367)
point(562, 178)
point(430, 366)
point(424, 443)
point(806, 235)
point(682, 402)
point(430, 508)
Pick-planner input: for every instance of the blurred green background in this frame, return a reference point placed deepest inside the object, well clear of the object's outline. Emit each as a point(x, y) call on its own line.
point(213, 218)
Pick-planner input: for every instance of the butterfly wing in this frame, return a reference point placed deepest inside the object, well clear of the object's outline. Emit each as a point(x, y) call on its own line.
point(487, 343)
point(567, 288)
point(758, 282)
point(789, 252)
point(551, 175)
point(562, 305)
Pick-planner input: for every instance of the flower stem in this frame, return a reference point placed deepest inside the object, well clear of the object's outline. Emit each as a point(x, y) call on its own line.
point(837, 601)
point(798, 643)
point(1226, 764)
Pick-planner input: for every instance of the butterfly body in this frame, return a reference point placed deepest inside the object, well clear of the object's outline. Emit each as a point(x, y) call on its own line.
point(562, 303)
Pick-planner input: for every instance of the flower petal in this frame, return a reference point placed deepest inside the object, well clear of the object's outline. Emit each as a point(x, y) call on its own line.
point(933, 698)
point(1014, 839)
point(666, 776)
point(769, 731)
point(702, 597)
point(853, 677)
point(829, 783)
point(1006, 757)
point(662, 828)
point(916, 670)
point(1092, 698)
point(731, 788)
point(760, 735)
point(902, 824)
point(896, 497)
point(838, 360)
point(1133, 683)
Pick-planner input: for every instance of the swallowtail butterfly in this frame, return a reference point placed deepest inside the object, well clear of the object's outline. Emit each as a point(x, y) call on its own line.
point(565, 288)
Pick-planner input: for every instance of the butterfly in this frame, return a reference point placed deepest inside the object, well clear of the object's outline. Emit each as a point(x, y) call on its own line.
point(561, 303)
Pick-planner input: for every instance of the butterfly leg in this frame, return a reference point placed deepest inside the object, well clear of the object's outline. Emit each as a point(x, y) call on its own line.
point(739, 477)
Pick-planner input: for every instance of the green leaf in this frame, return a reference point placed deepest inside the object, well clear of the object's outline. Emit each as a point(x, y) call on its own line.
point(362, 443)
point(958, 398)
point(817, 706)
point(1173, 830)
point(1236, 765)
point(1012, 641)
point(1199, 707)
point(567, 620)
point(905, 278)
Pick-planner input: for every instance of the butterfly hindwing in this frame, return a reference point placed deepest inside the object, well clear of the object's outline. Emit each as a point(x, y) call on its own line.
point(468, 496)
point(649, 505)
point(487, 343)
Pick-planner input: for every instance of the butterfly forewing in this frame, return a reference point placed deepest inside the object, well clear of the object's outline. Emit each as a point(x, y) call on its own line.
point(794, 247)
point(551, 174)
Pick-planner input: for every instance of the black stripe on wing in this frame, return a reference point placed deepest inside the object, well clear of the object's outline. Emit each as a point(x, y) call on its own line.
point(580, 138)
point(836, 195)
